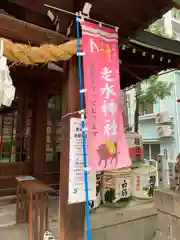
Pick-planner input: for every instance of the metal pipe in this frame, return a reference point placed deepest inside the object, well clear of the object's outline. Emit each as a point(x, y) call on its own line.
point(80, 15)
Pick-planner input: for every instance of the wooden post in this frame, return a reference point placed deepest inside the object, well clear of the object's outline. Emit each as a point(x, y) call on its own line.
point(71, 216)
point(39, 130)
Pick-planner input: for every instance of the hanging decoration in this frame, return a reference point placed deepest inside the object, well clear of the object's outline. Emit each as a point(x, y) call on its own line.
point(106, 144)
point(28, 55)
point(7, 90)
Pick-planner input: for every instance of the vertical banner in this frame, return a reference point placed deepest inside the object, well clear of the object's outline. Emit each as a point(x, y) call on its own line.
point(107, 148)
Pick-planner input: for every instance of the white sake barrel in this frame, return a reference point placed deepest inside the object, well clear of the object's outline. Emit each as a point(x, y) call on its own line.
point(96, 203)
point(116, 186)
point(144, 181)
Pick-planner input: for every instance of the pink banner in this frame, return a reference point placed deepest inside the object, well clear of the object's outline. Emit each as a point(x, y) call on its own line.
point(107, 148)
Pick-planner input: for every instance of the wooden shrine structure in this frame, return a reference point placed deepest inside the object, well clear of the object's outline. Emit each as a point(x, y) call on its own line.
point(34, 140)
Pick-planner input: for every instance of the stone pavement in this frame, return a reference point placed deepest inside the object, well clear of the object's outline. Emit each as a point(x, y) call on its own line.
point(20, 231)
point(135, 222)
point(7, 215)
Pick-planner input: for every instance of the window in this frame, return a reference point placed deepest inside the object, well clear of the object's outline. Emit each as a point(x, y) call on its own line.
point(151, 151)
point(148, 110)
point(53, 130)
point(15, 131)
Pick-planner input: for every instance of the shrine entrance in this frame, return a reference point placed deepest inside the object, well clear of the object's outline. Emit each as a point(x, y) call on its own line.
point(30, 133)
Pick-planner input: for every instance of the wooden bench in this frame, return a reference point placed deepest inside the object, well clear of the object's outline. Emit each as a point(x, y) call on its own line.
point(32, 199)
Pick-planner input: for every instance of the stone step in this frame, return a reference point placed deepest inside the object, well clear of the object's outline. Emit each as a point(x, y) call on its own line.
point(7, 200)
point(7, 220)
point(7, 215)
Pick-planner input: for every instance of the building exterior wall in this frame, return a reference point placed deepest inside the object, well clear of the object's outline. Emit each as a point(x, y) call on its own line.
point(147, 123)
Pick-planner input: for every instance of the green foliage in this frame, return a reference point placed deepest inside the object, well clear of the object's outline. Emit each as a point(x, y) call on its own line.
point(156, 29)
point(155, 89)
point(149, 94)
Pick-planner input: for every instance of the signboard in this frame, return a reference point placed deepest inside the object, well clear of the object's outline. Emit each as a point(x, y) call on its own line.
point(76, 166)
point(107, 147)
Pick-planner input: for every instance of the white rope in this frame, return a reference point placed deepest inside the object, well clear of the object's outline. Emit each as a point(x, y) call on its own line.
point(81, 112)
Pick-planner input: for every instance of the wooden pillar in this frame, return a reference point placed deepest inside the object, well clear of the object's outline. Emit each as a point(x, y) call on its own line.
point(71, 216)
point(39, 130)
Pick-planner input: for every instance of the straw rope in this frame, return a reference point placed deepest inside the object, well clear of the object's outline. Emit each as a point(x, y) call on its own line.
point(25, 54)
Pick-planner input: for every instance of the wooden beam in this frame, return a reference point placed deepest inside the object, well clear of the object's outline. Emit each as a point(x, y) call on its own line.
point(71, 216)
point(143, 66)
point(133, 74)
point(37, 6)
point(37, 19)
point(21, 31)
point(35, 73)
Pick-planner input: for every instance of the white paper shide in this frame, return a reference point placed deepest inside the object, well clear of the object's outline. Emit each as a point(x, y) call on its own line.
point(7, 90)
point(76, 168)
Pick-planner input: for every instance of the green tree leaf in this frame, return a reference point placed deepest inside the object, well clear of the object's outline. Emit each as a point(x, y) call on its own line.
point(150, 94)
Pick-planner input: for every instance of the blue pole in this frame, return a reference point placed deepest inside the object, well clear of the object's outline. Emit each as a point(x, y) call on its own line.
point(88, 221)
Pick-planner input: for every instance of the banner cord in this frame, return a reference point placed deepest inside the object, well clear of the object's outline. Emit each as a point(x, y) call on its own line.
point(88, 221)
point(80, 15)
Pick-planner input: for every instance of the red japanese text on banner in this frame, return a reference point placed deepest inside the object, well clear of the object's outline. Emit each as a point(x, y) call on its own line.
point(106, 144)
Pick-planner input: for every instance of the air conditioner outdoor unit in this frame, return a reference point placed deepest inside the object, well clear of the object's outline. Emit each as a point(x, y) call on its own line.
point(158, 118)
point(164, 131)
point(163, 117)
